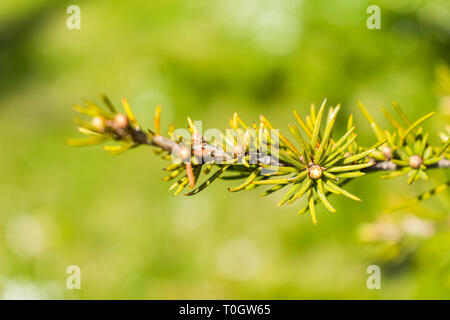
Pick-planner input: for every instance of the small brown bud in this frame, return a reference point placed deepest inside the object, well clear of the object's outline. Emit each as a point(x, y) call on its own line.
point(387, 152)
point(98, 123)
point(121, 121)
point(415, 161)
point(315, 171)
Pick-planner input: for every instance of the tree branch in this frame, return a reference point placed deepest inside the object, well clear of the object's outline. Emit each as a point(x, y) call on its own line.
point(219, 154)
point(390, 166)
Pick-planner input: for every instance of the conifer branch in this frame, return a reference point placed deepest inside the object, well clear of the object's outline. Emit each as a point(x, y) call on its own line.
point(261, 155)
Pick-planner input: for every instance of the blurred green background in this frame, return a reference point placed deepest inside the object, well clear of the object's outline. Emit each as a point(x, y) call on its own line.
point(114, 217)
